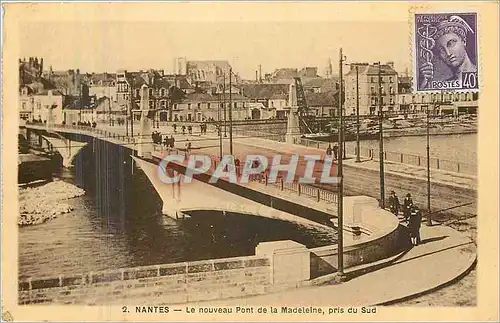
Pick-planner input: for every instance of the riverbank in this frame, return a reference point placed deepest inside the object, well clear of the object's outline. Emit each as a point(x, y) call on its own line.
point(43, 203)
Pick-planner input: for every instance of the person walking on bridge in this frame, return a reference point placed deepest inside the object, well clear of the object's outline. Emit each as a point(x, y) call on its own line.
point(407, 206)
point(415, 221)
point(335, 151)
point(329, 150)
point(394, 203)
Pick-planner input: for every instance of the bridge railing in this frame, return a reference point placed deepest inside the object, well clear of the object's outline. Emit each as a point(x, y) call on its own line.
point(402, 158)
point(300, 189)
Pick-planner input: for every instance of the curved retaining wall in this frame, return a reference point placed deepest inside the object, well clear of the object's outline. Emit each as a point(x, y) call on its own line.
point(370, 234)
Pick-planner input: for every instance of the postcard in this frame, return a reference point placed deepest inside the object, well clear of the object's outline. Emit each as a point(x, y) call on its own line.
point(237, 161)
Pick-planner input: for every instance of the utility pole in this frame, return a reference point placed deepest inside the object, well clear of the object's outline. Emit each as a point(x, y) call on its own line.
point(357, 115)
point(220, 128)
point(131, 109)
point(81, 102)
point(340, 176)
point(429, 220)
point(381, 142)
point(224, 102)
point(230, 113)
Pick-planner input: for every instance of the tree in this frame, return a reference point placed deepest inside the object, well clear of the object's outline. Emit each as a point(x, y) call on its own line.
point(175, 95)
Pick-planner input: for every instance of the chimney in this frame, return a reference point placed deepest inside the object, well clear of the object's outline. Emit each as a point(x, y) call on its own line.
point(256, 77)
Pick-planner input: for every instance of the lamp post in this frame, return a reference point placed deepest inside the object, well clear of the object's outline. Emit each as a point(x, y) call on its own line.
point(220, 128)
point(230, 113)
point(340, 186)
point(357, 115)
point(429, 220)
point(224, 101)
point(381, 140)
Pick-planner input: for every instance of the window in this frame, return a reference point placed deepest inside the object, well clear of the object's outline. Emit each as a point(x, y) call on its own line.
point(391, 90)
point(391, 100)
point(208, 105)
point(136, 92)
point(199, 105)
point(151, 104)
point(163, 92)
point(390, 79)
point(163, 104)
point(235, 105)
point(189, 106)
point(150, 92)
point(175, 106)
point(372, 89)
point(24, 105)
point(423, 98)
point(372, 79)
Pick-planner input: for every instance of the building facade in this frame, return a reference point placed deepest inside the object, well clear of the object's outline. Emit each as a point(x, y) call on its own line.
point(368, 88)
point(36, 106)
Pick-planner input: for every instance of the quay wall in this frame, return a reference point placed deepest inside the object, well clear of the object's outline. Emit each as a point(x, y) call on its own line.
point(172, 283)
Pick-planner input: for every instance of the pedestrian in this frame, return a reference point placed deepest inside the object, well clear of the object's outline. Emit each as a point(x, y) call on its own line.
point(237, 166)
point(172, 141)
point(183, 129)
point(329, 150)
point(190, 129)
point(335, 151)
point(407, 205)
point(414, 224)
point(394, 203)
point(175, 127)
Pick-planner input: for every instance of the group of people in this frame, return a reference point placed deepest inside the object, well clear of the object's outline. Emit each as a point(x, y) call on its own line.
point(183, 129)
point(411, 215)
point(158, 138)
point(334, 150)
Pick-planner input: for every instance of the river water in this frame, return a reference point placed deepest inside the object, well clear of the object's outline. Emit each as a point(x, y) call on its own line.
point(460, 147)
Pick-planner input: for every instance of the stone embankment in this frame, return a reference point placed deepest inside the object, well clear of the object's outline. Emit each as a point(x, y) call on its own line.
point(40, 204)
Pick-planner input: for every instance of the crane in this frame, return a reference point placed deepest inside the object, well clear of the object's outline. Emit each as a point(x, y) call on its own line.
point(303, 109)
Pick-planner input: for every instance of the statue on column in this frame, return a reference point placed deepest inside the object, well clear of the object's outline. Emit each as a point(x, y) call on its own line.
point(145, 144)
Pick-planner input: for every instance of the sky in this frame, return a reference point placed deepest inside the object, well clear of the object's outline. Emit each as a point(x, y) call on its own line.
point(97, 46)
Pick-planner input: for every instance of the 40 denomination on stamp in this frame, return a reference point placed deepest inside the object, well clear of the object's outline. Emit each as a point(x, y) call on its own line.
point(446, 53)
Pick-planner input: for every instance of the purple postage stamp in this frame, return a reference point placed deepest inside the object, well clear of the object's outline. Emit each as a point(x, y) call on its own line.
point(446, 51)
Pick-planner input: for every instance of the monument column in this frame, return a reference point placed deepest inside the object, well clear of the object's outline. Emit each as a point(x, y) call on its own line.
point(145, 142)
point(292, 127)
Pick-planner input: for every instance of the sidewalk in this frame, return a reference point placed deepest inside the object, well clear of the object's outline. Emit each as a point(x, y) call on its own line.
point(409, 171)
point(443, 257)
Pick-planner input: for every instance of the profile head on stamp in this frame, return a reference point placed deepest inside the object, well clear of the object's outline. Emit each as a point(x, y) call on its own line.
point(451, 43)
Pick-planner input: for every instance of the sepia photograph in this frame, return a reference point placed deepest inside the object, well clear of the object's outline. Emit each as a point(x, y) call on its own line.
point(277, 161)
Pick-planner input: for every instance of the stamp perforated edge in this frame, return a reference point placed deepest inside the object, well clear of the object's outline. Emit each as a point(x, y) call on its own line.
point(422, 9)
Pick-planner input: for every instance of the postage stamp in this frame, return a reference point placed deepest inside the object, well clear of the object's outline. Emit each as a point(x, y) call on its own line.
point(446, 52)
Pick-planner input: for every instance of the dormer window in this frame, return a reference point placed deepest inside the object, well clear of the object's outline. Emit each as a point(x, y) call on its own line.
point(163, 92)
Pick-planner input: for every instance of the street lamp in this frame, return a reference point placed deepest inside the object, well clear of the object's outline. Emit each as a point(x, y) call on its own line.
point(381, 140)
point(357, 116)
point(436, 105)
point(340, 204)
